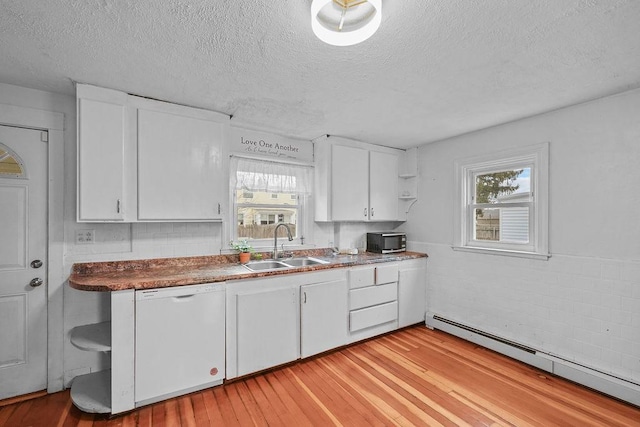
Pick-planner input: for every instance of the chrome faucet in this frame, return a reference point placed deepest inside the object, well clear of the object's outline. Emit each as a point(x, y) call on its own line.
point(275, 238)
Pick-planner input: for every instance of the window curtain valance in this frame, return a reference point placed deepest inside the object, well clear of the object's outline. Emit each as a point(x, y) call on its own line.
point(270, 176)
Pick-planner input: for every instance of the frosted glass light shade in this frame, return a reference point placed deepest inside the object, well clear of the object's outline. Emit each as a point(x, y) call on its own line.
point(358, 22)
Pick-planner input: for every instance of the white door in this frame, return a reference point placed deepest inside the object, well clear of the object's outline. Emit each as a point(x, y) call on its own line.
point(23, 263)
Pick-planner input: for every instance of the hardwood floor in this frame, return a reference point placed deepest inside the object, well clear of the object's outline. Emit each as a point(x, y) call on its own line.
point(414, 377)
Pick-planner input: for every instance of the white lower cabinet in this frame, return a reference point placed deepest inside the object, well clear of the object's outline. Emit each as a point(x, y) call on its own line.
point(262, 324)
point(266, 329)
point(377, 315)
point(372, 295)
point(269, 323)
point(323, 316)
point(373, 305)
point(412, 292)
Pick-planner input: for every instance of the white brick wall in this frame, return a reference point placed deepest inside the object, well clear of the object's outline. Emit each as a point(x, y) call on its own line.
point(143, 240)
point(583, 304)
point(586, 310)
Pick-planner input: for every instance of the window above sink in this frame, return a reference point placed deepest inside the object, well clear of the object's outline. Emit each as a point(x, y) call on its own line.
point(265, 194)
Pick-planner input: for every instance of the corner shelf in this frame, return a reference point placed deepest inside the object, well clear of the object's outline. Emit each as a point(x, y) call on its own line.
point(407, 182)
point(94, 337)
point(92, 392)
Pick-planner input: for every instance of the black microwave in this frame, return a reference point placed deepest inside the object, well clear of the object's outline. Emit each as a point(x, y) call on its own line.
point(386, 242)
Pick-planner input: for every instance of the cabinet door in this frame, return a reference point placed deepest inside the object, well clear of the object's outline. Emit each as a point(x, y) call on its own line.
point(383, 187)
point(412, 296)
point(180, 171)
point(267, 331)
point(349, 184)
point(101, 142)
point(324, 316)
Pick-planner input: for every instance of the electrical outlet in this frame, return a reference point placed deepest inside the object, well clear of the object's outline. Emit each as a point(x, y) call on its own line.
point(85, 237)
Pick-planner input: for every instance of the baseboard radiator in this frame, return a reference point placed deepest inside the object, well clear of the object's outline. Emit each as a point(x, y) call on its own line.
point(600, 381)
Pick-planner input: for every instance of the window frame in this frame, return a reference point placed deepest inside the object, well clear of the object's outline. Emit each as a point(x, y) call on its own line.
point(466, 170)
point(302, 204)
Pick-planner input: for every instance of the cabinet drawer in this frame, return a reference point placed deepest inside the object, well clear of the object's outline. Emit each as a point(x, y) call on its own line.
point(360, 277)
point(372, 316)
point(386, 273)
point(372, 295)
point(373, 275)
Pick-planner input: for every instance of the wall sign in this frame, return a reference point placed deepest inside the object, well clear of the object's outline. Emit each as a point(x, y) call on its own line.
point(262, 144)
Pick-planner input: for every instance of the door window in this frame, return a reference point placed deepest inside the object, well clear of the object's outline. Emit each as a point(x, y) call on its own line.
point(11, 166)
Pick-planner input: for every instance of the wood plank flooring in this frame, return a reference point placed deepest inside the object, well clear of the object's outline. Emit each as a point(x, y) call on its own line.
point(413, 377)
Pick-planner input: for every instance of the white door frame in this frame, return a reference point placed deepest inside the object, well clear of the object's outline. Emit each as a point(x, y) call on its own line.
point(53, 123)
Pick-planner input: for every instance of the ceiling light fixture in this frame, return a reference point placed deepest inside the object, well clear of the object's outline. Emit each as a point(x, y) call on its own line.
point(345, 22)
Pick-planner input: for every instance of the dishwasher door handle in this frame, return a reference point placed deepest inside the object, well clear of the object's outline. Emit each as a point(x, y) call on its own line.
point(183, 298)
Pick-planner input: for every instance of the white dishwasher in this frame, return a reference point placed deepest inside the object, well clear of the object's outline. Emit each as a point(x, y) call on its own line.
point(180, 341)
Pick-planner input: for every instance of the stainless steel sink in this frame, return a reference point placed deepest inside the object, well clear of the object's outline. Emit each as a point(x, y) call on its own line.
point(266, 265)
point(285, 263)
point(303, 261)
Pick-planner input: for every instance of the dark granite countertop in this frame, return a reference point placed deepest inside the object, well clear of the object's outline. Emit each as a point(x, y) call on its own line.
point(165, 272)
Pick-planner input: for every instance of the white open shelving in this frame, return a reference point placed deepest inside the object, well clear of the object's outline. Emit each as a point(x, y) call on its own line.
point(407, 182)
point(92, 392)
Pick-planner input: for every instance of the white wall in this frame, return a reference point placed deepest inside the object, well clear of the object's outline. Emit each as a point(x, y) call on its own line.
point(584, 303)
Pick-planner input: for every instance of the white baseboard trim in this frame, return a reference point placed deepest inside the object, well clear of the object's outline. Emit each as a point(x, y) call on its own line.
point(602, 382)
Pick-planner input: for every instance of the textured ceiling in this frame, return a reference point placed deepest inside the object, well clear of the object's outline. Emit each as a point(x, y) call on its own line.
point(435, 68)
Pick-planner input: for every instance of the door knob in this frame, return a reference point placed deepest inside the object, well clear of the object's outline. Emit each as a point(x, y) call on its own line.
point(34, 283)
point(36, 263)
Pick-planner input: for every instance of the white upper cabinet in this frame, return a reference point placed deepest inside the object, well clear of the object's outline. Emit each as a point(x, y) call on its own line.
point(146, 160)
point(180, 166)
point(383, 186)
point(355, 181)
point(102, 137)
point(350, 184)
